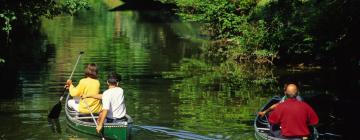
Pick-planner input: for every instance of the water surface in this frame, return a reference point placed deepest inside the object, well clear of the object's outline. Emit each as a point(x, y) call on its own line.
point(140, 45)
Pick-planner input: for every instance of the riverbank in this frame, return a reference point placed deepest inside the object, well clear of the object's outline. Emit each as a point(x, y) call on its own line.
point(173, 86)
point(277, 32)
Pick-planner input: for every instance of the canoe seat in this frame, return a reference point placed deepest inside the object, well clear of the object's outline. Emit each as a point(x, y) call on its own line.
point(84, 117)
point(76, 114)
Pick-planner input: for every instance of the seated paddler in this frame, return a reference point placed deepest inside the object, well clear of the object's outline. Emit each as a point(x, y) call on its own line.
point(88, 86)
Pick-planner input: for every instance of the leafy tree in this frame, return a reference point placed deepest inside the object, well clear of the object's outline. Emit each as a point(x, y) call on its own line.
point(278, 32)
point(28, 13)
point(246, 33)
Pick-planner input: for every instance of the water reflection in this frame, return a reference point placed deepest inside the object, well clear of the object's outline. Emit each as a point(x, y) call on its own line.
point(54, 125)
point(199, 105)
point(121, 41)
point(223, 99)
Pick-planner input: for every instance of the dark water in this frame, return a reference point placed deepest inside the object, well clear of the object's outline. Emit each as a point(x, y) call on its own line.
point(140, 49)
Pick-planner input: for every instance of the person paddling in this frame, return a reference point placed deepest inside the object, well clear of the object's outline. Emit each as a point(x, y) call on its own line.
point(88, 86)
point(114, 109)
point(263, 113)
point(293, 117)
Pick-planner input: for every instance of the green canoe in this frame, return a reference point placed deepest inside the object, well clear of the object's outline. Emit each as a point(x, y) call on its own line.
point(85, 124)
point(262, 126)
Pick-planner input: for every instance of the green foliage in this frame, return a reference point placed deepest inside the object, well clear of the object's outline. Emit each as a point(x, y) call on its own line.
point(220, 17)
point(72, 6)
point(232, 22)
point(266, 31)
point(247, 33)
point(2, 60)
point(28, 13)
point(8, 17)
point(239, 37)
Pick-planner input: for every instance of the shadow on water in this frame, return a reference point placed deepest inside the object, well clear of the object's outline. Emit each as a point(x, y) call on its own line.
point(144, 5)
point(25, 58)
point(150, 10)
point(332, 94)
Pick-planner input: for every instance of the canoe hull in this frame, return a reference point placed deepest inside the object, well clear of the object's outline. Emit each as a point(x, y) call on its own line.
point(118, 131)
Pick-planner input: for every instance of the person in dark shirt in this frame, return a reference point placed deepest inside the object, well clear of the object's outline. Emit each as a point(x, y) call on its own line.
point(293, 116)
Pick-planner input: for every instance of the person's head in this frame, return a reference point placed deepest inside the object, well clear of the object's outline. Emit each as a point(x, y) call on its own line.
point(291, 90)
point(113, 79)
point(91, 71)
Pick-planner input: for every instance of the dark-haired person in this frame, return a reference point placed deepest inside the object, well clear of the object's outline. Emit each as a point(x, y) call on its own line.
point(114, 109)
point(88, 86)
point(293, 117)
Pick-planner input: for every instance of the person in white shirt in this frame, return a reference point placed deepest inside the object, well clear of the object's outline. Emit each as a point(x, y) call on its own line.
point(114, 109)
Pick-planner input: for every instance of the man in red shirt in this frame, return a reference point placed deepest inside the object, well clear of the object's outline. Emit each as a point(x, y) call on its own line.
point(293, 116)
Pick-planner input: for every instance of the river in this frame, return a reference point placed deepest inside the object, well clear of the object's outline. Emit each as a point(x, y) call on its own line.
point(139, 45)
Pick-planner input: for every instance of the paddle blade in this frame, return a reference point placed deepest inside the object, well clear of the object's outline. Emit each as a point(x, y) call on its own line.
point(55, 126)
point(55, 111)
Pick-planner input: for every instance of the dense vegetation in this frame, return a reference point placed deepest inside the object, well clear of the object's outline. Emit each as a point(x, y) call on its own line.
point(296, 32)
point(270, 31)
point(28, 13)
point(250, 35)
point(23, 17)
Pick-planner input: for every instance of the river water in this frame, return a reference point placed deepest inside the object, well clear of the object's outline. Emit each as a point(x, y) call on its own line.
point(140, 45)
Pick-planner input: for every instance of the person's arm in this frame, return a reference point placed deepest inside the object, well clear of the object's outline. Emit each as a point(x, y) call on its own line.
point(262, 113)
point(313, 119)
point(97, 96)
point(274, 117)
point(106, 107)
point(78, 90)
point(101, 120)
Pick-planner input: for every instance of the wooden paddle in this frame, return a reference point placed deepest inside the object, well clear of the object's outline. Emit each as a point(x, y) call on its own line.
point(102, 136)
point(55, 111)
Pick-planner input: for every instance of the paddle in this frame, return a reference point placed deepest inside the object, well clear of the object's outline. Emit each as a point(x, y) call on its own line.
point(55, 111)
point(102, 136)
